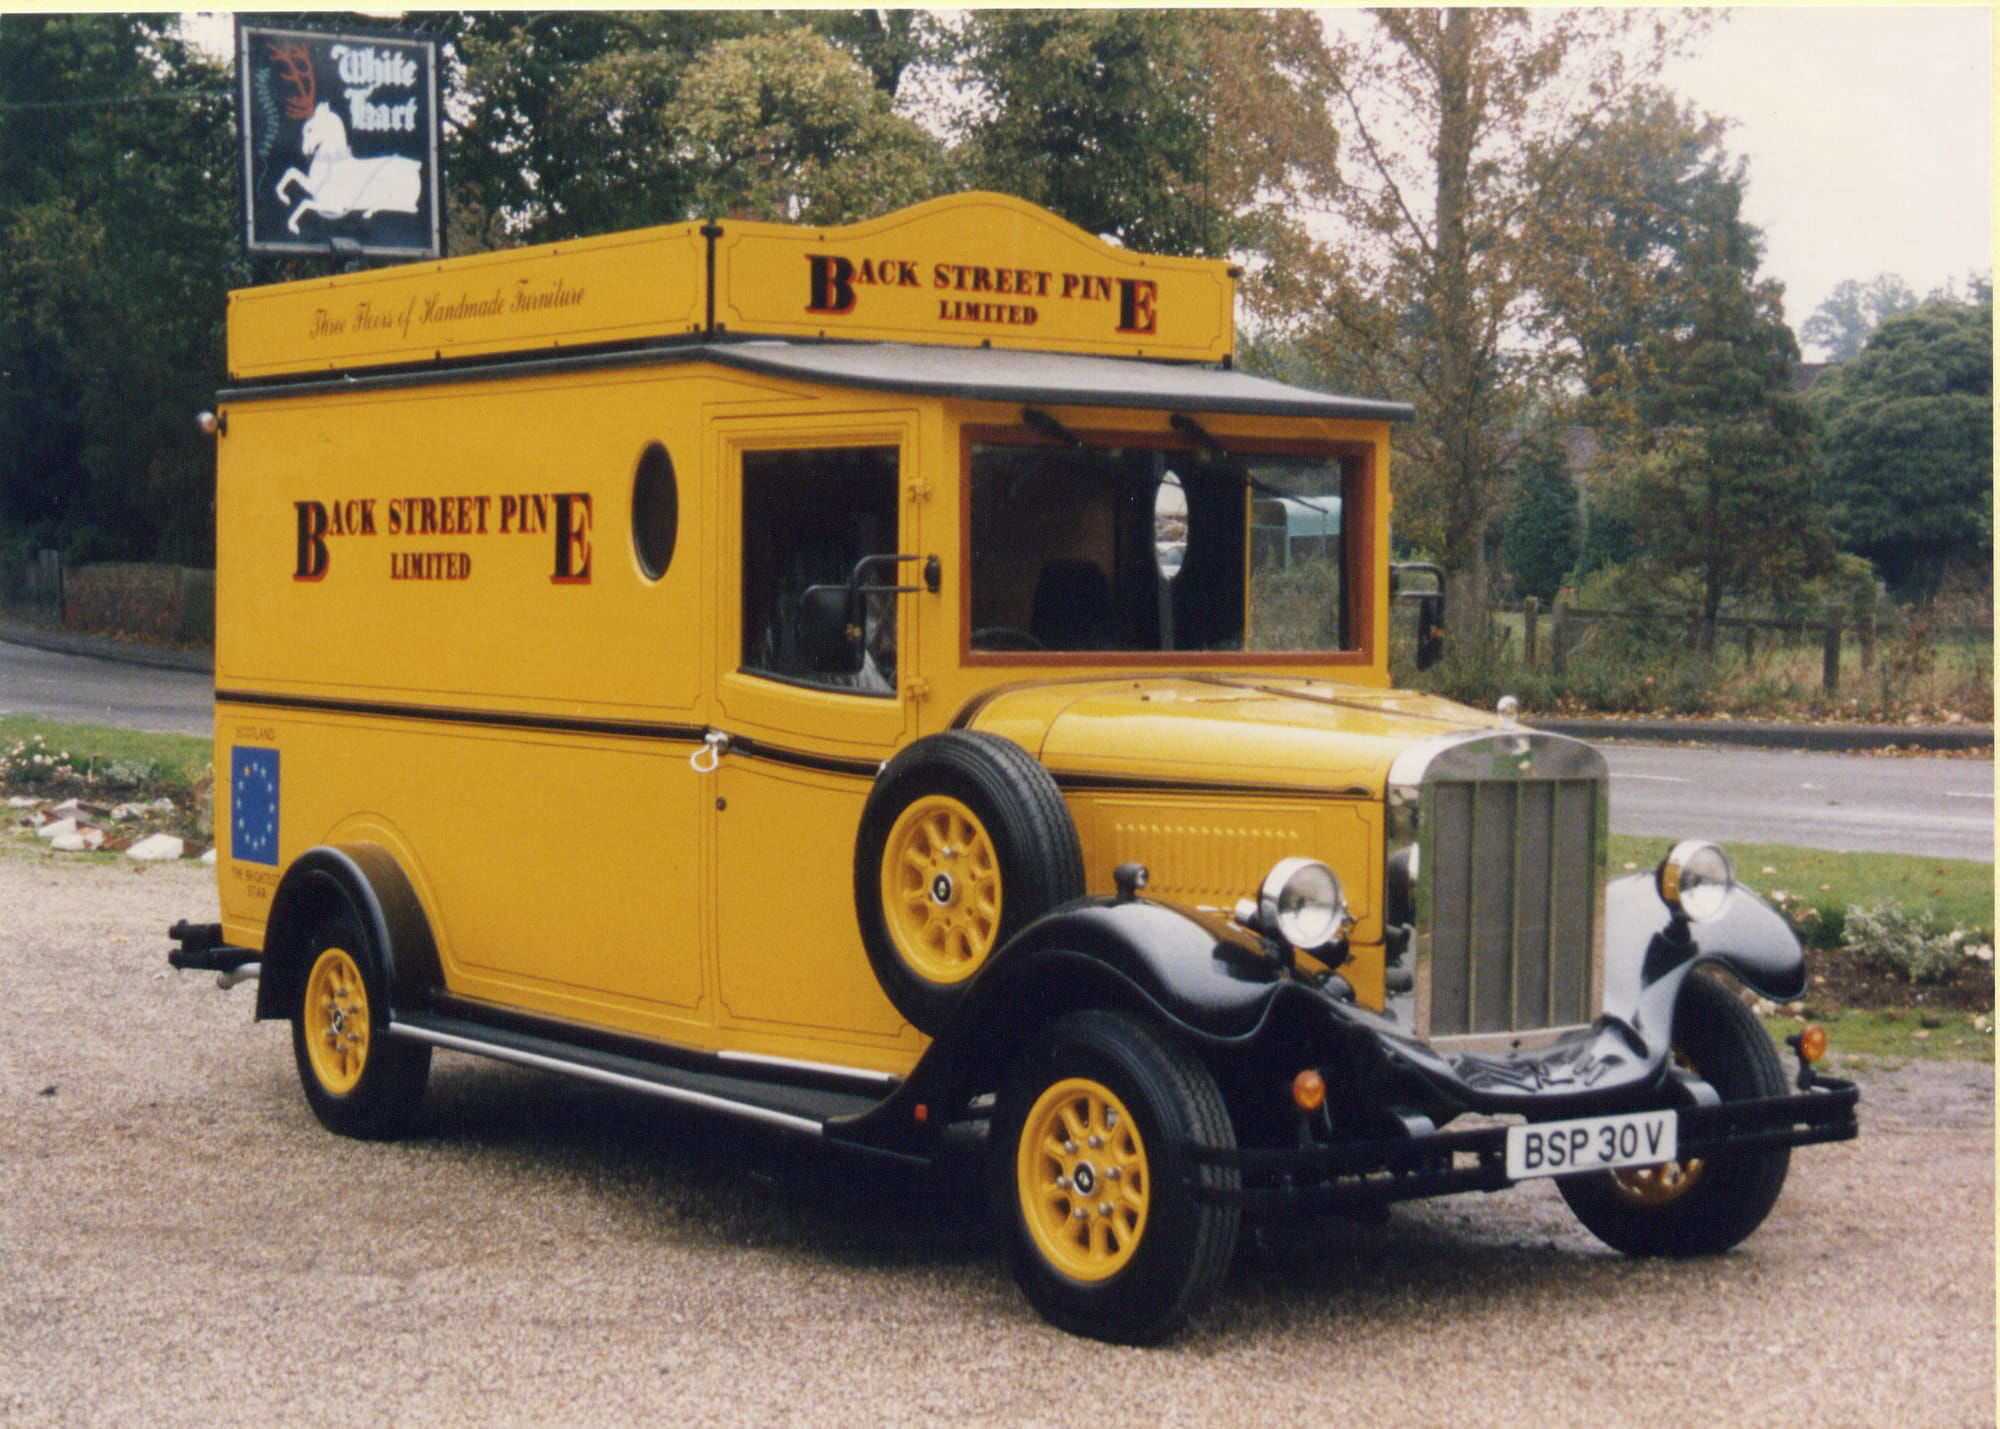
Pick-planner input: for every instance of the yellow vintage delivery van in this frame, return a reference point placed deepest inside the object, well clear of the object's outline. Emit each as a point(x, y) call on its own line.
point(871, 679)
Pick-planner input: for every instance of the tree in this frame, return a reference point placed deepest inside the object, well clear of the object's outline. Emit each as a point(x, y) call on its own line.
point(589, 122)
point(1462, 126)
point(1689, 359)
point(118, 241)
point(1539, 535)
point(1840, 325)
point(1908, 440)
point(787, 126)
point(1171, 131)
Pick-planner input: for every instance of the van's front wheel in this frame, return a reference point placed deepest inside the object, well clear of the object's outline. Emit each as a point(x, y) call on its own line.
point(1696, 1206)
point(358, 1081)
point(1092, 1176)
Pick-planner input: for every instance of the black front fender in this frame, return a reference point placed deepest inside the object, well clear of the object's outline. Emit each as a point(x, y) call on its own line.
point(1648, 952)
point(1199, 974)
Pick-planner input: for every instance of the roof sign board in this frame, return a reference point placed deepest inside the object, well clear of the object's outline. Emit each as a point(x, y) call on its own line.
point(340, 142)
point(980, 269)
point(974, 270)
point(640, 286)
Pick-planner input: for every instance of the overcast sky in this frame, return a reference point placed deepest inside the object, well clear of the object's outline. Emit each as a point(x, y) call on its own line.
point(1869, 131)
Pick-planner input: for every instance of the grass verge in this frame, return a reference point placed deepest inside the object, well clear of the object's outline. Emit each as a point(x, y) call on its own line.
point(1888, 1037)
point(114, 759)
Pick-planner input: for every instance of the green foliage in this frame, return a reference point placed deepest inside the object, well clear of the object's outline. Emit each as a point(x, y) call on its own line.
point(1908, 439)
point(1539, 535)
point(1841, 324)
point(117, 242)
point(787, 126)
point(1911, 945)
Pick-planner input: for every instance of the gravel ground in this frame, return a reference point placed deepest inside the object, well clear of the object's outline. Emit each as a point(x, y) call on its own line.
point(181, 1243)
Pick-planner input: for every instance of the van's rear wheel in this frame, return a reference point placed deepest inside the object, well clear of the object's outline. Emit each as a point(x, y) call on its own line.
point(358, 1081)
point(965, 839)
point(1091, 1175)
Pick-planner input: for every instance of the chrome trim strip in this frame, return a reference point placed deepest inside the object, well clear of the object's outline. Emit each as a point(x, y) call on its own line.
point(824, 1069)
point(456, 1043)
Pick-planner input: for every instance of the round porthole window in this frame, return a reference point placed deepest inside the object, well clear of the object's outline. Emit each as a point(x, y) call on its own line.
point(656, 511)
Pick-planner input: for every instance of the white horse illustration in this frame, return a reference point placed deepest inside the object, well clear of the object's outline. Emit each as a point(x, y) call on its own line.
point(339, 184)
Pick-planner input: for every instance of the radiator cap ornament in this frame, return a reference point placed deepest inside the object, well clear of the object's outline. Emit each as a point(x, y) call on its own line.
point(1509, 710)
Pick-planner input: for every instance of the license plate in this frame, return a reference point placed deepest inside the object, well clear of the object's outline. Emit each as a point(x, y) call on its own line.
point(1591, 1143)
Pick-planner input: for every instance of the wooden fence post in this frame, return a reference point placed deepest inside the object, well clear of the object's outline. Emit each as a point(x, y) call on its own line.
point(1749, 642)
point(1559, 636)
point(1530, 610)
point(1867, 642)
point(1831, 664)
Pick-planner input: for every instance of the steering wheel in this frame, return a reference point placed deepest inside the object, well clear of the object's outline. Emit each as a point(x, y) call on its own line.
point(1004, 637)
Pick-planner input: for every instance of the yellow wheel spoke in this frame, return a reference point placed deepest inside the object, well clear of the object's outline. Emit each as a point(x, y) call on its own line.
point(1055, 1141)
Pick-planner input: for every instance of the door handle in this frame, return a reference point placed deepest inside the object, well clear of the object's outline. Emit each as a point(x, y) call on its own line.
point(714, 744)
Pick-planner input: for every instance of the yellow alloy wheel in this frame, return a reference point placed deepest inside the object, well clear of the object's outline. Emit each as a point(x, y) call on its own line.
point(1665, 1183)
point(1660, 1185)
point(1082, 1180)
point(336, 1021)
point(941, 889)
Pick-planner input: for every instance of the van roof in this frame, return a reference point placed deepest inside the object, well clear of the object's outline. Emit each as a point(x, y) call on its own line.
point(1065, 379)
point(974, 374)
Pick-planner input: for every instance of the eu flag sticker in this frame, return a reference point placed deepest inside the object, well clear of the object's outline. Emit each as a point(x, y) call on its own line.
point(253, 805)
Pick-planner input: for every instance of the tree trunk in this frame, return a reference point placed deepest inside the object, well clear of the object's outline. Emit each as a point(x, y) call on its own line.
point(1457, 418)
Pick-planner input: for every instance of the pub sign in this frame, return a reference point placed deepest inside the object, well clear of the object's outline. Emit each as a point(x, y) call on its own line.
point(340, 142)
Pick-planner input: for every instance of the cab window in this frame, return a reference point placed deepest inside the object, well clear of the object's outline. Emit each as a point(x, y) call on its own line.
point(809, 518)
point(1117, 549)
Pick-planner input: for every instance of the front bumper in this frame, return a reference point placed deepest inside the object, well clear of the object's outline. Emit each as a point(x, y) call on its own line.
point(1362, 1175)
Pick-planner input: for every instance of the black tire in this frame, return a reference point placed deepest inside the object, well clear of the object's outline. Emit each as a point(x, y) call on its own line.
point(1144, 1265)
point(358, 1081)
point(941, 911)
point(1701, 1207)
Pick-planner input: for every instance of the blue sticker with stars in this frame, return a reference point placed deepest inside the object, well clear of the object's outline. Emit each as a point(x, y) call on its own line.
point(253, 805)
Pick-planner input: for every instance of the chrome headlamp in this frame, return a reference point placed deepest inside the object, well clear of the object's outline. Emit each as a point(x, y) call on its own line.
point(1694, 879)
point(1302, 902)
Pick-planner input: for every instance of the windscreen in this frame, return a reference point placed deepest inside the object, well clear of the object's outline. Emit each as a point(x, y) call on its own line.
point(1081, 548)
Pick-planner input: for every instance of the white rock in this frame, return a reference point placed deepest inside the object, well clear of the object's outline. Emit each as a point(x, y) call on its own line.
point(209, 858)
point(162, 806)
point(22, 801)
point(56, 828)
point(128, 813)
point(156, 847)
point(70, 843)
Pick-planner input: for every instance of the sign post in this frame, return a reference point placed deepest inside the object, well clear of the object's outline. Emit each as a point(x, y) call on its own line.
point(340, 143)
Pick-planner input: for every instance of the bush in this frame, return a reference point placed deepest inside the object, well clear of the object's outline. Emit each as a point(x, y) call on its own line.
point(1910, 945)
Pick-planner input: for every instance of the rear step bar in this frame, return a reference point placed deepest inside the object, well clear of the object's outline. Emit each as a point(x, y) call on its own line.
point(754, 1097)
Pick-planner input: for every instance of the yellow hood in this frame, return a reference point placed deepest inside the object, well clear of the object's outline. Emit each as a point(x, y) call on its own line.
point(1242, 732)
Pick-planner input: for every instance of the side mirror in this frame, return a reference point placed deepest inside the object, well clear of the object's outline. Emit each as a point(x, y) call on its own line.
point(829, 635)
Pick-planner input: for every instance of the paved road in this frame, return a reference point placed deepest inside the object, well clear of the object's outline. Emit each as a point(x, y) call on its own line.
point(182, 1244)
point(1940, 808)
point(89, 691)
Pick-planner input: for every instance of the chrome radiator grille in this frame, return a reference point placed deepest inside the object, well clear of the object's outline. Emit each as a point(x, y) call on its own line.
point(1508, 831)
point(1512, 875)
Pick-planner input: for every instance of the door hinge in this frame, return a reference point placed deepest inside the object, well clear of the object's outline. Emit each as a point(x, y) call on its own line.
point(920, 490)
point(916, 689)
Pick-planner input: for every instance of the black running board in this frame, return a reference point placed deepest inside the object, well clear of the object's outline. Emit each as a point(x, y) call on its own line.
point(757, 1096)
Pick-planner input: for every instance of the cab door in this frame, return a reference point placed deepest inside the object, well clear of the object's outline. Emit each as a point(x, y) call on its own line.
point(803, 504)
